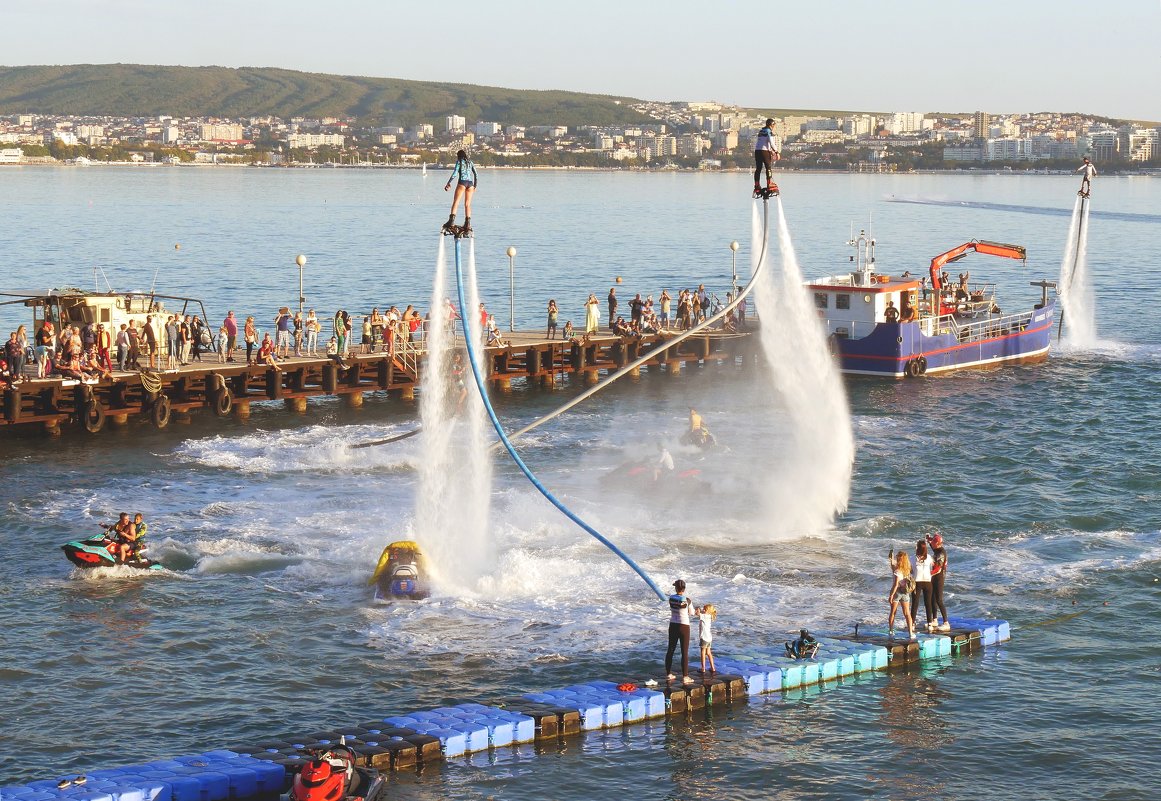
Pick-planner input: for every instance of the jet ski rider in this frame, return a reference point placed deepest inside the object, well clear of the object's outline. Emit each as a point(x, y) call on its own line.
point(127, 536)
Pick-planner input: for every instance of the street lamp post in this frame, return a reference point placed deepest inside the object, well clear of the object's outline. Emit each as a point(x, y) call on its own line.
point(300, 260)
point(734, 266)
point(511, 288)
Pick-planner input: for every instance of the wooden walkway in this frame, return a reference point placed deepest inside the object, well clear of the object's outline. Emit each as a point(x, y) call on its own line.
point(54, 404)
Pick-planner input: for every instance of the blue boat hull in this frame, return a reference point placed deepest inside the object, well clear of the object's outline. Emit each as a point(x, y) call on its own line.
point(891, 348)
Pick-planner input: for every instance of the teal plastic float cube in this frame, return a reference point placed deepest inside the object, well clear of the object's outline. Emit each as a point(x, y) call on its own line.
point(828, 668)
point(792, 676)
point(928, 647)
point(452, 743)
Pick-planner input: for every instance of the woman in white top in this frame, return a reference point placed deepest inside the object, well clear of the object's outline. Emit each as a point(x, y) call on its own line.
point(923, 564)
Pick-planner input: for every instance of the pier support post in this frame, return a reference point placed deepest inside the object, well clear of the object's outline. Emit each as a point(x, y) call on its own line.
point(674, 366)
point(185, 418)
point(502, 384)
point(592, 377)
point(407, 393)
point(52, 428)
point(242, 409)
point(296, 405)
point(635, 373)
point(353, 399)
point(548, 381)
point(119, 419)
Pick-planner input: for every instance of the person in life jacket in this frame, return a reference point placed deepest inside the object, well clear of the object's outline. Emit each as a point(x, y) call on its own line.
point(129, 535)
point(767, 147)
point(464, 173)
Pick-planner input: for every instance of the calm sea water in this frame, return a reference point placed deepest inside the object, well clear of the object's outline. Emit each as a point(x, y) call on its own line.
point(1045, 481)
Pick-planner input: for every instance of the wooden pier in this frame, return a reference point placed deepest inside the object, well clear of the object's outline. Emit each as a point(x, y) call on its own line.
point(228, 388)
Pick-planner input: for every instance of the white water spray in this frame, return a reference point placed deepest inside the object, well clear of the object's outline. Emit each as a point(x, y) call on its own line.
point(451, 518)
point(1076, 294)
point(810, 480)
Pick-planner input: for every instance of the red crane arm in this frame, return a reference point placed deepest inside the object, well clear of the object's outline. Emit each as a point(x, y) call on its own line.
point(979, 246)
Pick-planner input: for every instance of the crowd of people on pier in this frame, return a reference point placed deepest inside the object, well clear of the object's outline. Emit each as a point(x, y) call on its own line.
point(165, 342)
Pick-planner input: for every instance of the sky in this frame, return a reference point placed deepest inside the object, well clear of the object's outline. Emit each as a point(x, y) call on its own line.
point(997, 56)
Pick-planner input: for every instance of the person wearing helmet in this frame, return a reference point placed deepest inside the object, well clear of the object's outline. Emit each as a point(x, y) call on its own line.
point(464, 173)
point(767, 146)
point(938, 574)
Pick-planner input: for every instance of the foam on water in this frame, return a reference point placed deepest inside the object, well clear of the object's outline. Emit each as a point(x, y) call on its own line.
point(810, 481)
point(1076, 293)
point(451, 516)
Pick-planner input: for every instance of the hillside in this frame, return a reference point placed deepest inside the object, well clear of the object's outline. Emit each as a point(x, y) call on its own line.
point(140, 90)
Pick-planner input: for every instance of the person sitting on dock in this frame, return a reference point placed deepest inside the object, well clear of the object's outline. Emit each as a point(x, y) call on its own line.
point(891, 314)
point(805, 647)
point(494, 339)
point(566, 332)
point(334, 355)
point(91, 366)
point(266, 353)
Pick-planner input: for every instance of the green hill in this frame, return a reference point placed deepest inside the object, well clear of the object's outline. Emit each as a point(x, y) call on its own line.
point(140, 90)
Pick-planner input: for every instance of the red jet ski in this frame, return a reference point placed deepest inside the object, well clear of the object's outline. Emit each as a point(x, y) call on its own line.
point(331, 775)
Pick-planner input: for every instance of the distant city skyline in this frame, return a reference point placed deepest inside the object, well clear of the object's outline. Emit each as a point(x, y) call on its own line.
point(1031, 55)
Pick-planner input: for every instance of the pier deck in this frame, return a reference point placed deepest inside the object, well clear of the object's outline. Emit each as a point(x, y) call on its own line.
point(230, 387)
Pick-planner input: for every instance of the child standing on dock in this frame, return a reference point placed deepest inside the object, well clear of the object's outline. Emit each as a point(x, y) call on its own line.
point(901, 588)
point(705, 634)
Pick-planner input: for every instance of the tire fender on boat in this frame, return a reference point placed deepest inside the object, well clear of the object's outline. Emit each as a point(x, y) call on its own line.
point(922, 365)
point(913, 369)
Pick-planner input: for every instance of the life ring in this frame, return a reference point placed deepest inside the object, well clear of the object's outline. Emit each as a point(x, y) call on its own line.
point(94, 417)
point(222, 402)
point(913, 369)
point(922, 365)
point(160, 411)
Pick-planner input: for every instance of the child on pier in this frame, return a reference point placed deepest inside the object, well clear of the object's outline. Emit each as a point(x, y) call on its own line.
point(706, 617)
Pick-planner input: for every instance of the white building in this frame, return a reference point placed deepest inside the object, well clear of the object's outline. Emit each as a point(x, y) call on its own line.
point(221, 132)
point(487, 128)
point(170, 135)
point(905, 122)
point(311, 141)
point(11, 155)
point(860, 125)
point(455, 124)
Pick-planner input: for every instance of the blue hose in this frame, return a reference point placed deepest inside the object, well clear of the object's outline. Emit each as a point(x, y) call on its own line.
point(473, 359)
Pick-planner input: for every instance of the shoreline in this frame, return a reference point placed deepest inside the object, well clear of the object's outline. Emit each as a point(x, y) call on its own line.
point(1144, 172)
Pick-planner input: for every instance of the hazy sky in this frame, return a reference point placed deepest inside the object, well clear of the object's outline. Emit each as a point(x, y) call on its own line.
point(890, 55)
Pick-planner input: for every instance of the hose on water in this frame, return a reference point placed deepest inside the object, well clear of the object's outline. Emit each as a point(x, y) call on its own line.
point(477, 374)
point(666, 345)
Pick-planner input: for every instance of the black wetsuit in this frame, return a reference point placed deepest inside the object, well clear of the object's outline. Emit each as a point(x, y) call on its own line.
point(679, 606)
point(940, 557)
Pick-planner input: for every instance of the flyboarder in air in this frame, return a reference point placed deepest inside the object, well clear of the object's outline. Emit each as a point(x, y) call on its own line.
point(465, 172)
point(766, 151)
point(1088, 173)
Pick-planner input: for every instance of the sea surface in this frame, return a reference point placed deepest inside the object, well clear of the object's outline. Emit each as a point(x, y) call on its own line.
point(1045, 481)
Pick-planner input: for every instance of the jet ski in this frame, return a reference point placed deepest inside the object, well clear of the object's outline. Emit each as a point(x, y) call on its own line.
point(700, 436)
point(94, 552)
point(401, 573)
point(641, 476)
point(331, 775)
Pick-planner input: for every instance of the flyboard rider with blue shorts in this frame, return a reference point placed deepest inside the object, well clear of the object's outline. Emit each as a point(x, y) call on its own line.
point(464, 174)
